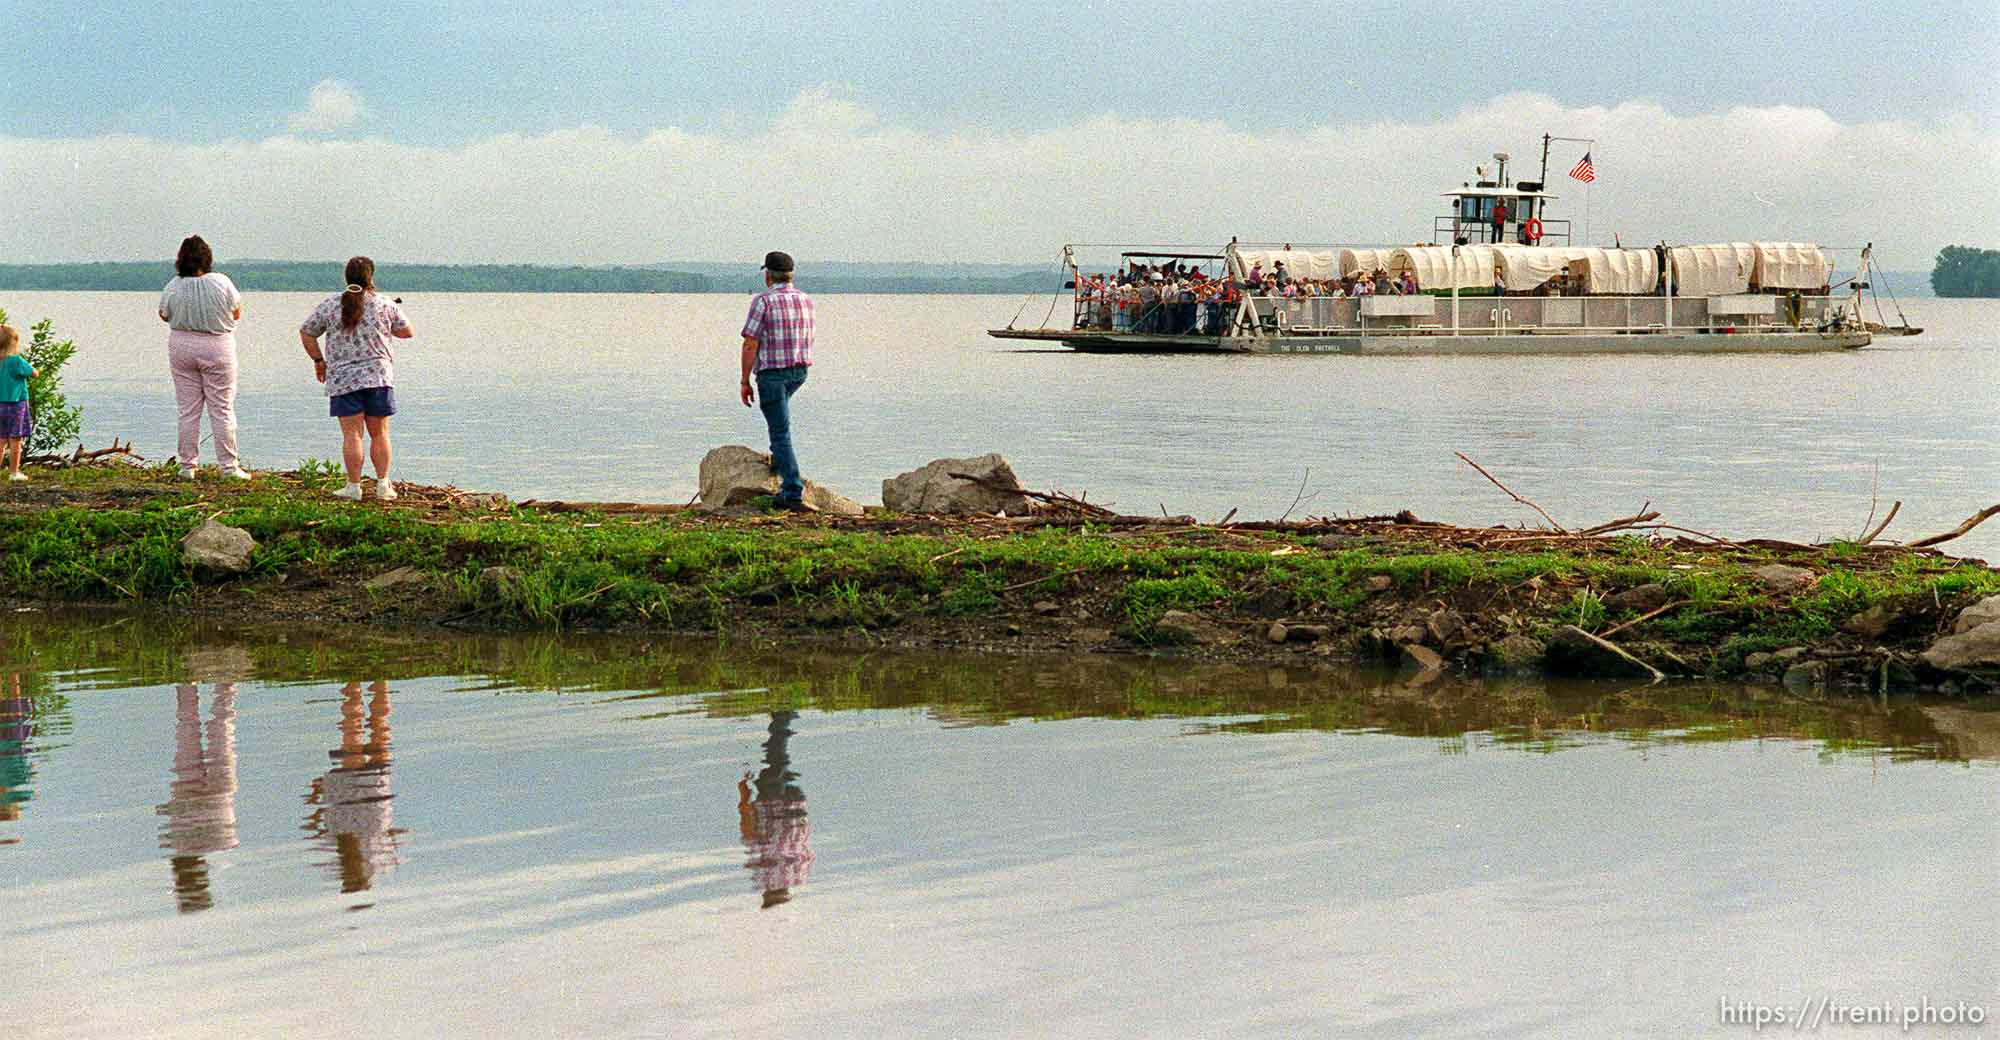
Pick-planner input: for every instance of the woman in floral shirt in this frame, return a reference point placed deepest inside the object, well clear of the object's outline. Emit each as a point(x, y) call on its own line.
point(357, 365)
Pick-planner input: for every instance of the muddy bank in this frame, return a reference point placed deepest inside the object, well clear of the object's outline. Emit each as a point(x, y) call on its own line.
point(1423, 597)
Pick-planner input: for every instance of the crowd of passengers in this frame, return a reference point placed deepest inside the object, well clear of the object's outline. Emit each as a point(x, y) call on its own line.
point(1174, 299)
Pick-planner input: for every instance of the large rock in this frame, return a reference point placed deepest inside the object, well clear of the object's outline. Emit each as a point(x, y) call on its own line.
point(1975, 650)
point(1780, 577)
point(1181, 628)
point(1983, 612)
point(1640, 599)
point(218, 547)
point(931, 489)
point(734, 475)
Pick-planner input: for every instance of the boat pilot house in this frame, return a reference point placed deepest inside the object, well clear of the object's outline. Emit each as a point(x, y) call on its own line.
point(1499, 275)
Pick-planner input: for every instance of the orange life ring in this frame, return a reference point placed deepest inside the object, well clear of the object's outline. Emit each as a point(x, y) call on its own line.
point(1532, 229)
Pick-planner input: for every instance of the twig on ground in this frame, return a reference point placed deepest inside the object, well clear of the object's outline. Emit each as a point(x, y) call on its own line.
point(1226, 517)
point(1971, 522)
point(1043, 578)
point(1510, 492)
point(1874, 487)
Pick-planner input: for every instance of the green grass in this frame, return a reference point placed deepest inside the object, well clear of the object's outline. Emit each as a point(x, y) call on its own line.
point(688, 572)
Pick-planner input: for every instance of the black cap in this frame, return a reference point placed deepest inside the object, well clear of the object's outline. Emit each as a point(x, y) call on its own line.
point(776, 261)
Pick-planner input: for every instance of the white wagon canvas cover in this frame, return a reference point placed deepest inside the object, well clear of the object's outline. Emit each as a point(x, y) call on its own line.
point(1722, 269)
point(1432, 266)
point(1792, 265)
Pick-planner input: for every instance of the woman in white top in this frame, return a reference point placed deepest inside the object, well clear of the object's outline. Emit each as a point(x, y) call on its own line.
point(202, 308)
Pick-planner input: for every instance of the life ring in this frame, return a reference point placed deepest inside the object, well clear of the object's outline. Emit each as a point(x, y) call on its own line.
point(1533, 230)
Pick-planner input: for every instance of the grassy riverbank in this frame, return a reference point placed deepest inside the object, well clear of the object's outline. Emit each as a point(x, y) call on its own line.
point(111, 536)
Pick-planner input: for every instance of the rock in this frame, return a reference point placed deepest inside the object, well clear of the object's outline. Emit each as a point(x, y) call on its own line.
point(734, 475)
point(1337, 542)
point(1270, 603)
point(1307, 633)
point(1788, 654)
point(499, 577)
point(1277, 633)
point(1380, 583)
point(1806, 676)
point(1642, 599)
point(1983, 612)
point(1517, 654)
point(1013, 630)
point(1873, 623)
point(1445, 628)
point(1572, 652)
point(394, 578)
point(1973, 650)
point(1422, 658)
point(218, 547)
point(1406, 635)
point(1182, 628)
point(931, 489)
point(1758, 662)
point(1047, 607)
point(1780, 578)
point(484, 500)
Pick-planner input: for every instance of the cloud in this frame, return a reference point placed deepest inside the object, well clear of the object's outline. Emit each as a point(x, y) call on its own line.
point(827, 179)
point(331, 106)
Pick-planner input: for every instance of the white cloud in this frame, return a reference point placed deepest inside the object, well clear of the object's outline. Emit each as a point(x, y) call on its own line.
point(828, 180)
point(331, 106)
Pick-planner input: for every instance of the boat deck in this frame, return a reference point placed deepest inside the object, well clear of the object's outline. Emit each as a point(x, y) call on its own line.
point(1434, 343)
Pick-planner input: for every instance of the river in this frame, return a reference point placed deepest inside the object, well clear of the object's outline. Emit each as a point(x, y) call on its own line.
point(287, 833)
point(618, 397)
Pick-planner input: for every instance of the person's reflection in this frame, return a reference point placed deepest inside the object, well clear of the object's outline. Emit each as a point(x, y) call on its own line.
point(351, 815)
point(16, 728)
point(201, 799)
point(775, 828)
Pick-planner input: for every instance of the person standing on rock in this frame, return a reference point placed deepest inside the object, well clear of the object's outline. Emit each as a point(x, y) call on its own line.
point(777, 351)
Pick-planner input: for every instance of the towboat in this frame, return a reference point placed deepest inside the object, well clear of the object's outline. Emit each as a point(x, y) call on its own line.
point(1498, 276)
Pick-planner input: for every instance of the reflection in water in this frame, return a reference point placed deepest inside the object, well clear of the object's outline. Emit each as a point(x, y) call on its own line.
point(775, 828)
point(16, 774)
point(351, 815)
point(201, 802)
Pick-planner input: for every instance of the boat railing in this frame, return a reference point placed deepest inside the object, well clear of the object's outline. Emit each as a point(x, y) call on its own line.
point(1522, 315)
point(1446, 230)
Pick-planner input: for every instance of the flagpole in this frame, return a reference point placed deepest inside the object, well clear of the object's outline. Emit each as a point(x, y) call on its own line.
point(1590, 144)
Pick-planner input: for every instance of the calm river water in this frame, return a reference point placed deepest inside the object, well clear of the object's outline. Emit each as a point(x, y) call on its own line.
point(214, 834)
point(617, 397)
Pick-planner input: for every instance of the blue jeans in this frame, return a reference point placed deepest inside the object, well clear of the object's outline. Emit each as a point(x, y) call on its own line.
point(775, 387)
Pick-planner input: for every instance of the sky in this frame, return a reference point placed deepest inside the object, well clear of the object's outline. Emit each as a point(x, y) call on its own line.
point(455, 131)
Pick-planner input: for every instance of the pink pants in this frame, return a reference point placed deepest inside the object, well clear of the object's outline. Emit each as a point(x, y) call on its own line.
point(204, 368)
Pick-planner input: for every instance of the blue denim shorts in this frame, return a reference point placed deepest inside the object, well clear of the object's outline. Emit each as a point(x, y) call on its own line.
point(376, 402)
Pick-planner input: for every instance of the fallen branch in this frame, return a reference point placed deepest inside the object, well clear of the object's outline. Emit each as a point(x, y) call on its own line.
point(1052, 498)
point(1510, 491)
point(1611, 647)
point(1876, 531)
point(1298, 497)
point(1971, 522)
point(1648, 616)
point(1606, 528)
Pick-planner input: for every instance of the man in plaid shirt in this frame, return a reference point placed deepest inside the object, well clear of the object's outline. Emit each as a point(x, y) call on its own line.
point(777, 351)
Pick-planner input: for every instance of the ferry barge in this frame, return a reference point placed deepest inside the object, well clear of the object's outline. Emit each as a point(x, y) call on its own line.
point(1492, 280)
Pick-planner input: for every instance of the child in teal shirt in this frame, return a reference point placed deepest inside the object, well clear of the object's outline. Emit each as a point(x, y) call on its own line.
point(16, 424)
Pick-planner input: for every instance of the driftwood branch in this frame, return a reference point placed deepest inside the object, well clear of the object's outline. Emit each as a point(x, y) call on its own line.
point(1643, 618)
point(1619, 525)
point(1971, 522)
point(1510, 492)
point(1296, 499)
point(1876, 532)
point(1055, 499)
point(1611, 647)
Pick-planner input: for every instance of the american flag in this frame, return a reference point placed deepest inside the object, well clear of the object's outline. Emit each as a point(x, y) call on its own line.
point(1583, 171)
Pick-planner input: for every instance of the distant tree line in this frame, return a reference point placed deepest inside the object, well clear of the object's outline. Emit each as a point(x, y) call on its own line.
point(1965, 271)
point(325, 276)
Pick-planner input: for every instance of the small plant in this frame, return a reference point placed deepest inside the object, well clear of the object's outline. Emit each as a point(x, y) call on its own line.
point(1585, 610)
point(318, 473)
point(57, 422)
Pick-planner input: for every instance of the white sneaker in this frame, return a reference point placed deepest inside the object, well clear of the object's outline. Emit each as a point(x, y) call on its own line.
point(385, 489)
point(236, 473)
point(187, 472)
point(351, 492)
point(17, 476)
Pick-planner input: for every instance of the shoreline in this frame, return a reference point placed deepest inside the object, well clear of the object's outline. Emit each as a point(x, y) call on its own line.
point(1423, 597)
